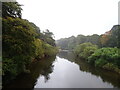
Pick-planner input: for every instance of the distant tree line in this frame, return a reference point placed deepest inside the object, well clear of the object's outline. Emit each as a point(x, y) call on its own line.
point(109, 39)
point(98, 50)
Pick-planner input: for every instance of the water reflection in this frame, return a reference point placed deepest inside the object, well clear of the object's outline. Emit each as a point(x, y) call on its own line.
point(67, 74)
point(40, 68)
point(106, 76)
point(64, 71)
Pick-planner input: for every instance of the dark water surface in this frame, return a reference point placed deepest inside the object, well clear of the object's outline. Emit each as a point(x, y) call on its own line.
point(64, 71)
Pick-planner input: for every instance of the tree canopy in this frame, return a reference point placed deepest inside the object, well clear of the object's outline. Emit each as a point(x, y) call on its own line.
point(23, 42)
point(11, 9)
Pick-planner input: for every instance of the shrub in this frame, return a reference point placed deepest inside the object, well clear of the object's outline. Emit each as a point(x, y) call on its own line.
point(112, 67)
point(100, 62)
point(107, 58)
point(49, 50)
point(39, 51)
point(85, 50)
point(105, 55)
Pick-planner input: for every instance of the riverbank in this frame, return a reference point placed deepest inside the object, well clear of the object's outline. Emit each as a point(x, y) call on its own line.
point(22, 41)
point(106, 58)
point(64, 71)
point(37, 68)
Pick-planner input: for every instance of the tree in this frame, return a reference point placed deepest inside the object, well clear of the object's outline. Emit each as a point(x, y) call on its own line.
point(11, 9)
point(94, 39)
point(112, 37)
point(105, 38)
point(21, 42)
point(48, 33)
point(48, 37)
point(18, 47)
point(84, 50)
point(72, 43)
point(115, 35)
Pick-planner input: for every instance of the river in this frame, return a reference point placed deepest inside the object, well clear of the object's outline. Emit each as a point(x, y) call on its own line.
point(64, 71)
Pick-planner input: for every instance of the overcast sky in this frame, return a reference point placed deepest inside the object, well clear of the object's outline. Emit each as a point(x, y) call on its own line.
point(71, 17)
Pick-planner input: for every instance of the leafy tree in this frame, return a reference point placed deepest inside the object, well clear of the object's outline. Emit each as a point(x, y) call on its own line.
point(48, 33)
point(17, 43)
point(94, 39)
point(71, 42)
point(111, 38)
point(105, 55)
point(62, 43)
point(22, 42)
point(80, 39)
point(48, 38)
point(85, 50)
point(115, 36)
point(11, 9)
point(49, 50)
point(39, 50)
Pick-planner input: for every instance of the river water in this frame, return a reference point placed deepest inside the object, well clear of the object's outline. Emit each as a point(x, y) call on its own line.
point(64, 71)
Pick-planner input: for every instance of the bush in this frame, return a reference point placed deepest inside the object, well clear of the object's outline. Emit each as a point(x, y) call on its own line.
point(108, 54)
point(9, 67)
point(49, 50)
point(39, 50)
point(107, 58)
point(100, 62)
point(85, 50)
point(112, 67)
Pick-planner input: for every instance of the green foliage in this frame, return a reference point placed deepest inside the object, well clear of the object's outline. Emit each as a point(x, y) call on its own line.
point(62, 43)
point(108, 54)
point(89, 51)
point(48, 38)
point(106, 58)
point(100, 62)
point(44, 49)
point(9, 67)
point(111, 38)
point(22, 42)
point(18, 48)
point(71, 42)
point(85, 50)
point(49, 50)
point(11, 9)
point(39, 51)
point(21, 45)
point(112, 67)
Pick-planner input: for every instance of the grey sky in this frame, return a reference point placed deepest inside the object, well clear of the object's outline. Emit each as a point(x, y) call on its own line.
point(71, 17)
